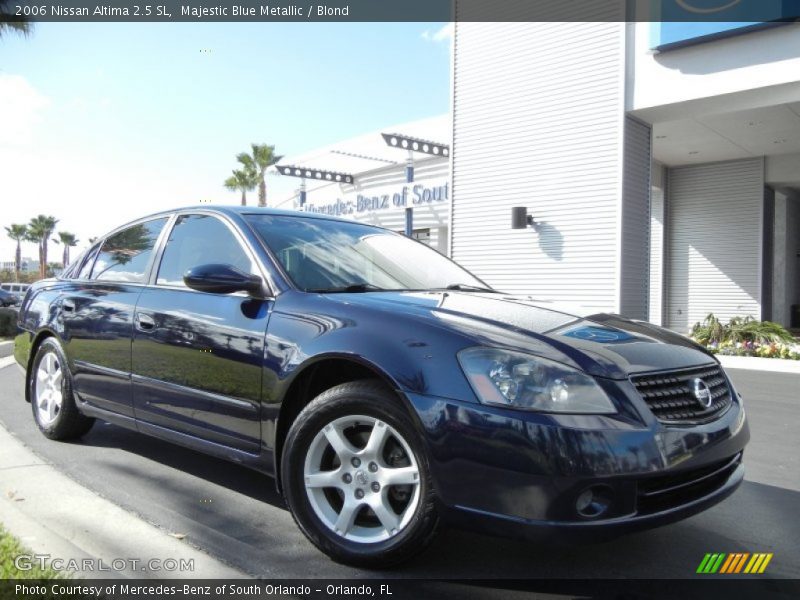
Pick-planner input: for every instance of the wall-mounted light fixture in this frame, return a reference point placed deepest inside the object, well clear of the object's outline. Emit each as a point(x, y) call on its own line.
point(520, 219)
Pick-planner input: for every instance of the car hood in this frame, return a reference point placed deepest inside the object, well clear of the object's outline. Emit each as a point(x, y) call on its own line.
point(605, 345)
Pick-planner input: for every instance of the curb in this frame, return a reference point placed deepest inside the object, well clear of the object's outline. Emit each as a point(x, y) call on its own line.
point(752, 363)
point(7, 349)
point(53, 515)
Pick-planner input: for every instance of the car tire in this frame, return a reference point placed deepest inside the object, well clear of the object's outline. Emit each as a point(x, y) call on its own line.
point(380, 475)
point(52, 399)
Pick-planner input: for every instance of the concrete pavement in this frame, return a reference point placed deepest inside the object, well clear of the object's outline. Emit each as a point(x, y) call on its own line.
point(55, 516)
point(754, 363)
point(6, 347)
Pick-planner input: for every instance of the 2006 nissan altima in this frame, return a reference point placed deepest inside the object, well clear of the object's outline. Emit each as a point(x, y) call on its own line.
point(384, 387)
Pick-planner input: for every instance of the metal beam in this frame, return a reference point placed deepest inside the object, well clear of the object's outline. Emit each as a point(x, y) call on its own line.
point(404, 142)
point(315, 174)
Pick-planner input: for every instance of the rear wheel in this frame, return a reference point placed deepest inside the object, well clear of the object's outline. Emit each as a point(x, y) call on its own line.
point(52, 400)
point(356, 477)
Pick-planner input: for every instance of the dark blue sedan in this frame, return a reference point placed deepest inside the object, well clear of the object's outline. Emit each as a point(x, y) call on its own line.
point(385, 388)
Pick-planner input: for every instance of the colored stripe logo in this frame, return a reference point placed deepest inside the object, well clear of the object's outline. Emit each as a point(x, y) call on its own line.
point(737, 562)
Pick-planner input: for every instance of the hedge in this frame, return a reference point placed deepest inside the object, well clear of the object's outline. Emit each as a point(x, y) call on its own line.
point(8, 322)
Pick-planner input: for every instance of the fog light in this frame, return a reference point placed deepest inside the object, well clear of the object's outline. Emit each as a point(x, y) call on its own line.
point(594, 501)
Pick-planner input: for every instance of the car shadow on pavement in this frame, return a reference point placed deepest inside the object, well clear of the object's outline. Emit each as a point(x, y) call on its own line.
point(755, 519)
point(220, 472)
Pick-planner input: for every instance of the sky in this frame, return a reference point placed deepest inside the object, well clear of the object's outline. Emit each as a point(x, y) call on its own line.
point(107, 122)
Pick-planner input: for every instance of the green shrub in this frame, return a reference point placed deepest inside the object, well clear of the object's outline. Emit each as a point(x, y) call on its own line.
point(739, 330)
point(8, 322)
point(744, 336)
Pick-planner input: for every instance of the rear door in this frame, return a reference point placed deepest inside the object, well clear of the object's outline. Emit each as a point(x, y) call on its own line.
point(97, 309)
point(197, 357)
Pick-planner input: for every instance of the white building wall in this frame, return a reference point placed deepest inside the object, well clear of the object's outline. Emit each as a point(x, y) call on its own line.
point(634, 271)
point(538, 122)
point(715, 233)
point(743, 63)
point(657, 222)
point(782, 170)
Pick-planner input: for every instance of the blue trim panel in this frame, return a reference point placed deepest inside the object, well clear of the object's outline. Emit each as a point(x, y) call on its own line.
point(720, 35)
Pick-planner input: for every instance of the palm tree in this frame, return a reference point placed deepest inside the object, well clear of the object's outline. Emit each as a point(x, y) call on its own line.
point(260, 160)
point(18, 25)
point(243, 181)
point(52, 269)
point(69, 241)
point(17, 233)
point(40, 229)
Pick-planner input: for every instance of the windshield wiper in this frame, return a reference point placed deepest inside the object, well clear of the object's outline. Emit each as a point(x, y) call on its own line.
point(353, 287)
point(465, 287)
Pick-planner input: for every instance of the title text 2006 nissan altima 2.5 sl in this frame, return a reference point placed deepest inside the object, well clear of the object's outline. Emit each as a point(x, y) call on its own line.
point(383, 386)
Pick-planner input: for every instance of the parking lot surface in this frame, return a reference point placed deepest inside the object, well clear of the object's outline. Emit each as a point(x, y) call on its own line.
point(236, 515)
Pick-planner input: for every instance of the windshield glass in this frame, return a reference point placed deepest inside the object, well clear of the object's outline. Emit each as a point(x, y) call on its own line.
point(327, 255)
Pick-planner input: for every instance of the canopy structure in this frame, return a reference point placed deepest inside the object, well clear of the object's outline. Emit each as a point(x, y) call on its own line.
point(346, 161)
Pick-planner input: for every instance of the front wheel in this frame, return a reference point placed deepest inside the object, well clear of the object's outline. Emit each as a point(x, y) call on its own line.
point(356, 477)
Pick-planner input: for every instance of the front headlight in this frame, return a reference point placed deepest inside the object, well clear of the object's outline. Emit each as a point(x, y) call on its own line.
point(518, 380)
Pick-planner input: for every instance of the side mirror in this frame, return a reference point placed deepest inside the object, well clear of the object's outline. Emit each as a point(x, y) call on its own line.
point(221, 279)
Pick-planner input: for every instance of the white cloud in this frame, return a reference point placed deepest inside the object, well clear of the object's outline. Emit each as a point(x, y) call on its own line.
point(23, 104)
point(444, 34)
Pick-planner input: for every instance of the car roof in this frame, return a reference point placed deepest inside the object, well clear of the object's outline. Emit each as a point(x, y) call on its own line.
point(247, 210)
point(234, 210)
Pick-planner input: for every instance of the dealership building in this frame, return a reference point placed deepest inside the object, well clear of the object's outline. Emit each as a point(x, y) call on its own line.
point(659, 165)
point(388, 185)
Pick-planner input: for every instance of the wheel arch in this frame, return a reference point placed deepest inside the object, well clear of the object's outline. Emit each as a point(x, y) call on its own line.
point(38, 338)
point(322, 373)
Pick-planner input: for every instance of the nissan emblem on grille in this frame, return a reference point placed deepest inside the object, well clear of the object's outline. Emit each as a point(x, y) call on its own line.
point(702, 393)
point(689, 395)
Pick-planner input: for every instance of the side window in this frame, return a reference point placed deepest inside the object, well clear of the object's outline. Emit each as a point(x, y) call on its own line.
point(125, 255)
point(199, 240)
point(86, 267)
point(71, 272)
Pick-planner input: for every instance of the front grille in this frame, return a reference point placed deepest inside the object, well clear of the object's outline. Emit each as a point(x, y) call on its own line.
point(671, 397)
point(663, 492)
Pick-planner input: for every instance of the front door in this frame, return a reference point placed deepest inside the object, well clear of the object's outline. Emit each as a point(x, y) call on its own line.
point(197, 357)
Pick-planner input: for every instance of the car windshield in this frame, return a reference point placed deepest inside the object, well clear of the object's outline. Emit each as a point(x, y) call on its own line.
point(322, 255)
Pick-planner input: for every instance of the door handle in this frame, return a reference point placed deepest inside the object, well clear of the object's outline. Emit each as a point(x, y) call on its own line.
point(144, 322)
point(68, 306)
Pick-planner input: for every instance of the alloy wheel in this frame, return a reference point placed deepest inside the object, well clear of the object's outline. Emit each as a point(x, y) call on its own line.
point(362, 479)
point(49, 397)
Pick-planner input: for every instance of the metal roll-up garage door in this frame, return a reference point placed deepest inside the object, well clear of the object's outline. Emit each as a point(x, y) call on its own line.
point(714, 216)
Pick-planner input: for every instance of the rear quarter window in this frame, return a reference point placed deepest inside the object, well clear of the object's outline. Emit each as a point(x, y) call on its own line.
point(125, 256)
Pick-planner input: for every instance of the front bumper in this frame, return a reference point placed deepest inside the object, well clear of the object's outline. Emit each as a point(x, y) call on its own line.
point(584, 531)
point(522, 474)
